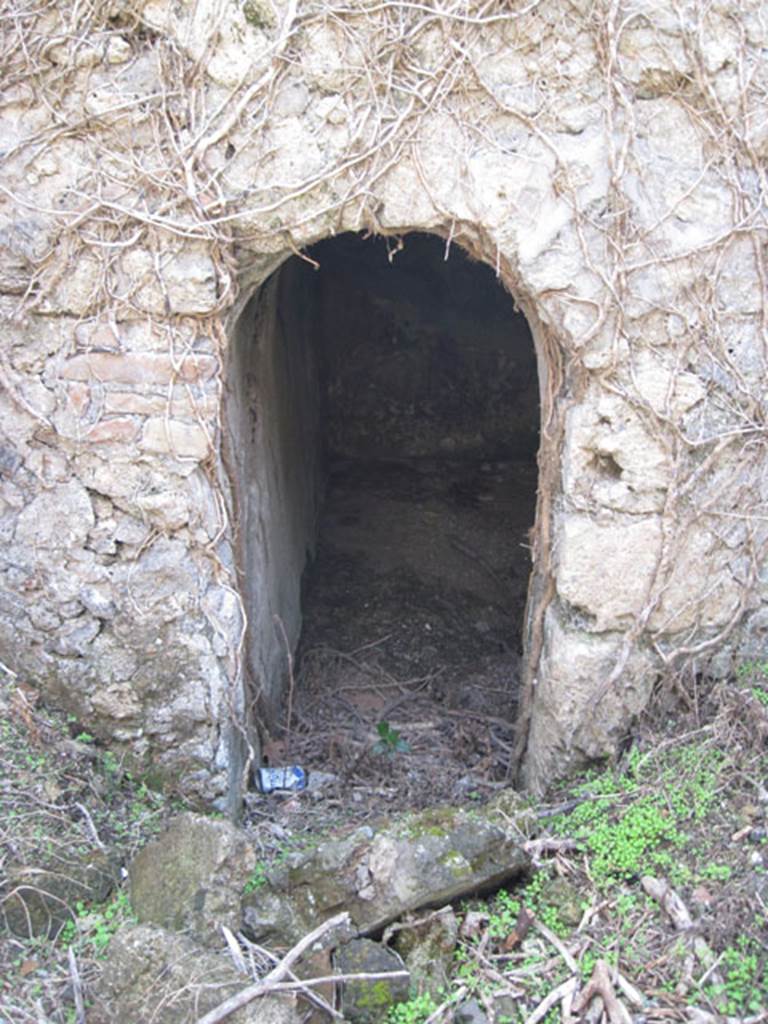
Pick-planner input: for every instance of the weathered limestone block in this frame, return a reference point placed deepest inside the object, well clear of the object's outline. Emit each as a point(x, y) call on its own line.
point(612, 461)
point(422, 859)
point(137, 368)
point(57, 519)
point(186, 440)
point(116, 430)
point(610, 571)
point(191, 877)
point(164, 576)
point(153, 974)
point(117, 702)
point(183, 403)
point(73, 639)
point(75, 288)
point(579, 717)
point(702, 563)
point(168, 510)
point(607, 568)
point(229, 43)
point(22, 243)
point(183, 283)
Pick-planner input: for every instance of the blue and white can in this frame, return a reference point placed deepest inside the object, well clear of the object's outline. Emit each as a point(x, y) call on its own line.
point(291, 778)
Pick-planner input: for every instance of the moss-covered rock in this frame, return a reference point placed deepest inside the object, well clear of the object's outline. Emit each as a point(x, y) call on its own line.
point(40, 900)
point(191, 877)
point(367, 1001)
point(565, 898)
point(155, 975)
point(417, 860)
point(428, 949)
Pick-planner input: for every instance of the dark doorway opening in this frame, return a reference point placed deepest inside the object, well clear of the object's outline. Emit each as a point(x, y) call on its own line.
point(426, 406)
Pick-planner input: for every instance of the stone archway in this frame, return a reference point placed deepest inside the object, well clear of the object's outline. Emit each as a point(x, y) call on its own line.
point(384, 404)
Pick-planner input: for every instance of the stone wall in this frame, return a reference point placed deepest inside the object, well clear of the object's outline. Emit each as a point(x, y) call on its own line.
point(274, 435)
point(161, 159)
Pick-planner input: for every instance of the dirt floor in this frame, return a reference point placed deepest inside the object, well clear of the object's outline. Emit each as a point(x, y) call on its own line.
point(413, 614)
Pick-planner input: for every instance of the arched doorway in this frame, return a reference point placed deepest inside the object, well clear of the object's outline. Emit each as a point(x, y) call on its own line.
point(386, 421)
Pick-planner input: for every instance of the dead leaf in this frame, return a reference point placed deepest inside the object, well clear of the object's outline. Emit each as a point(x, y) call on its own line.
point(273, 751)
point(366, 700)
point(701, 895)
point(28, 967)
point(519, 932)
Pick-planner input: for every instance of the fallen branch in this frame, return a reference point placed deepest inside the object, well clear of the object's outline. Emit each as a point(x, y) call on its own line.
point(325, 979)
point(398, 926)
point(629, 991)
point(77, 987)
point(678, 914)
point(275, 976)
point(536, 847)
point(669, 902)
point(600, 984)
point(452, 1000)
point(563, 991)
point(234, 950)
point(314, 997)
point(553, 940)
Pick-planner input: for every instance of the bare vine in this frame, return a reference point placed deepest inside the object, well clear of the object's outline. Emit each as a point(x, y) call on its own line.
point(154, 176)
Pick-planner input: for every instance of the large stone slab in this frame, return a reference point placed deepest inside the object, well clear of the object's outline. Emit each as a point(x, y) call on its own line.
point(190, 878)
point(424, 859)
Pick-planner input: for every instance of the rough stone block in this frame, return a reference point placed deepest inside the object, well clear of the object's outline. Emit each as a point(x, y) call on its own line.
point(192, 876)
point(137, 368)
point(425, 859)
point(173, 437)
point(168, 510)
point(428, 950)
point(119, 702)
point(568, 728)
point(115, 430)
point(75, 637)
point(611, 460)
point(701, 565)
point(57, 518)
point(606, 569)
point(363, 1001)
point(151, 974)
point(40, 900)
point(180, 406)
point(185, 283)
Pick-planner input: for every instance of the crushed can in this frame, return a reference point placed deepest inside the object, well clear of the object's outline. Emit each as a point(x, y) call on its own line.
point(274, 780)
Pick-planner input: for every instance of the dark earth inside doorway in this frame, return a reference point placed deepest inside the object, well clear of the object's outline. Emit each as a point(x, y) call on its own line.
point(407, 672)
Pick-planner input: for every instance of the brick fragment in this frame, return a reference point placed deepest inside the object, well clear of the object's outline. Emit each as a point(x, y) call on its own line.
point(117, 430)
point(181, 406)
point(175, 438)
point(137, 368)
